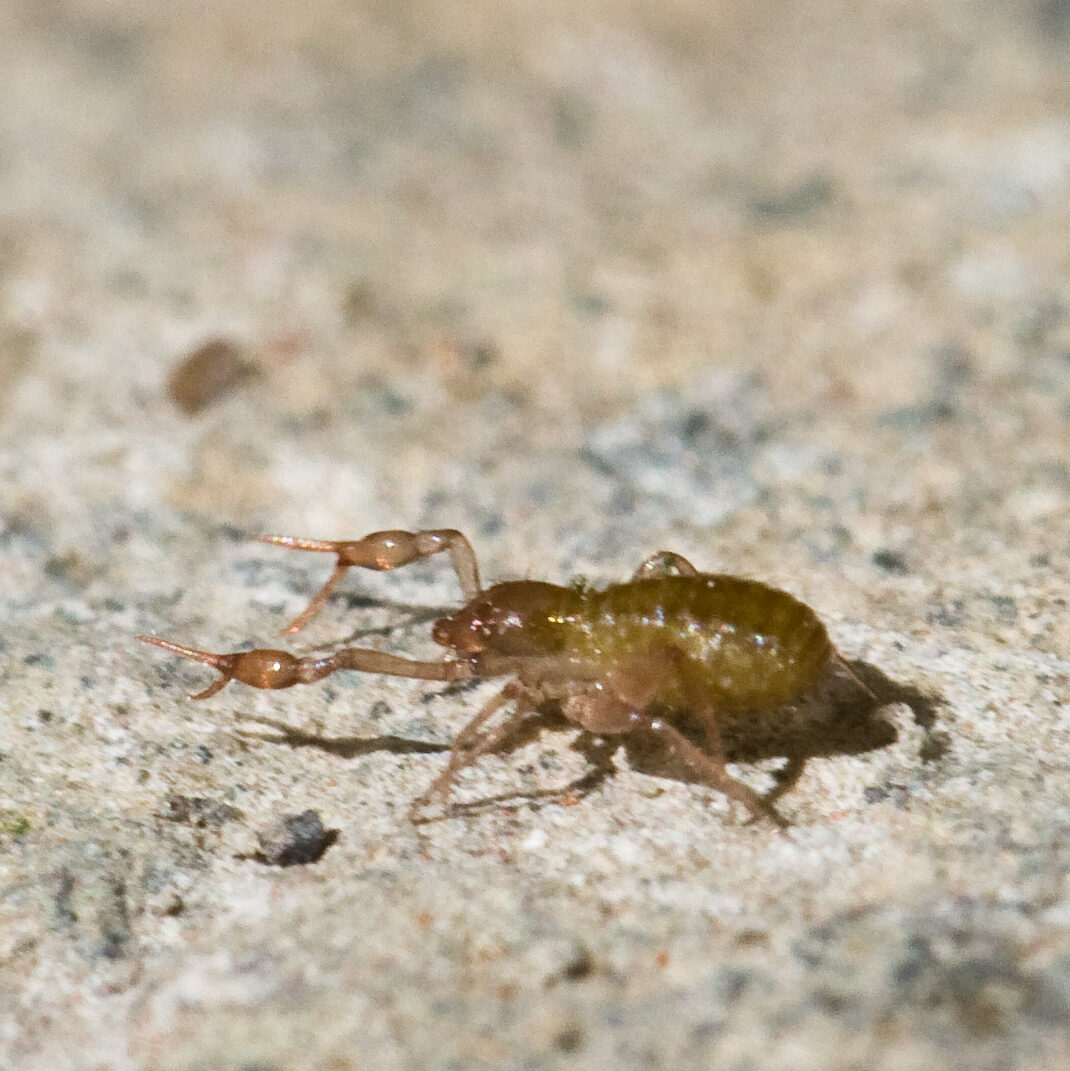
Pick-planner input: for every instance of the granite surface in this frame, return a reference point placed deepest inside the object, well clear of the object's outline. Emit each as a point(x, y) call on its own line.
point(781, 286)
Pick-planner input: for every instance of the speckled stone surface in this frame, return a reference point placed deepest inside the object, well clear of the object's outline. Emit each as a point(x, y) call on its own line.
point(780, 286)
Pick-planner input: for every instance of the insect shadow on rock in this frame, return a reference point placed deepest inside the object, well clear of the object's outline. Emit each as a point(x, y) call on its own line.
point(662, 662)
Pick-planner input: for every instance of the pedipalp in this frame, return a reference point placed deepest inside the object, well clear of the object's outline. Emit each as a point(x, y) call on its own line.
point(266, 668)
point(382, 551)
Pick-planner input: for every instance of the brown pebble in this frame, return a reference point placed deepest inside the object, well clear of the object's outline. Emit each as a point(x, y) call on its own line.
point(207, 374)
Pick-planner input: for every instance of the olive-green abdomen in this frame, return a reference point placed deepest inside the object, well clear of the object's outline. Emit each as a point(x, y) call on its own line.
point(749, 644)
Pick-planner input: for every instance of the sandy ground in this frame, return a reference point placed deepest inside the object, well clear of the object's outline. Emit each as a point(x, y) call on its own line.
point(781, 286)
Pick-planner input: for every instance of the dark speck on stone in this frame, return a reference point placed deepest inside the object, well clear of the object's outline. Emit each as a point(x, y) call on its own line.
point(581, 965)
point(295, 839)
point(1006, 609)
point(950, 614)
point(570, 1039)
point(694, 424)
point(197, 811)
point(891, 561)
point(916, 418)
point(795, 204)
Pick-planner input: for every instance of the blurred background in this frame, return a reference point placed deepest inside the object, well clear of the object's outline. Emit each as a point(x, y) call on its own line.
point(698, 251)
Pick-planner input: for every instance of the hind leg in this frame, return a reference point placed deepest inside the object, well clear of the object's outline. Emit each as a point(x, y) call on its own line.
point(626, 700)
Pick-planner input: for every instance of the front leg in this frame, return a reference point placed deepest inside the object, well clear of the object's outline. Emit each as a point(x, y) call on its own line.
point(471, 743)
point(383, 551)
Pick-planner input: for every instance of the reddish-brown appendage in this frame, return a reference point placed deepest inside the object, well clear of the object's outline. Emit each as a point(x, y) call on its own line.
point(259, 669)
point(382, 551)
point(618, 660)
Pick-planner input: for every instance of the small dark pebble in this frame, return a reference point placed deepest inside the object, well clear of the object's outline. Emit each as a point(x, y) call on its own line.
point(295, 839)
point(580, 965)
